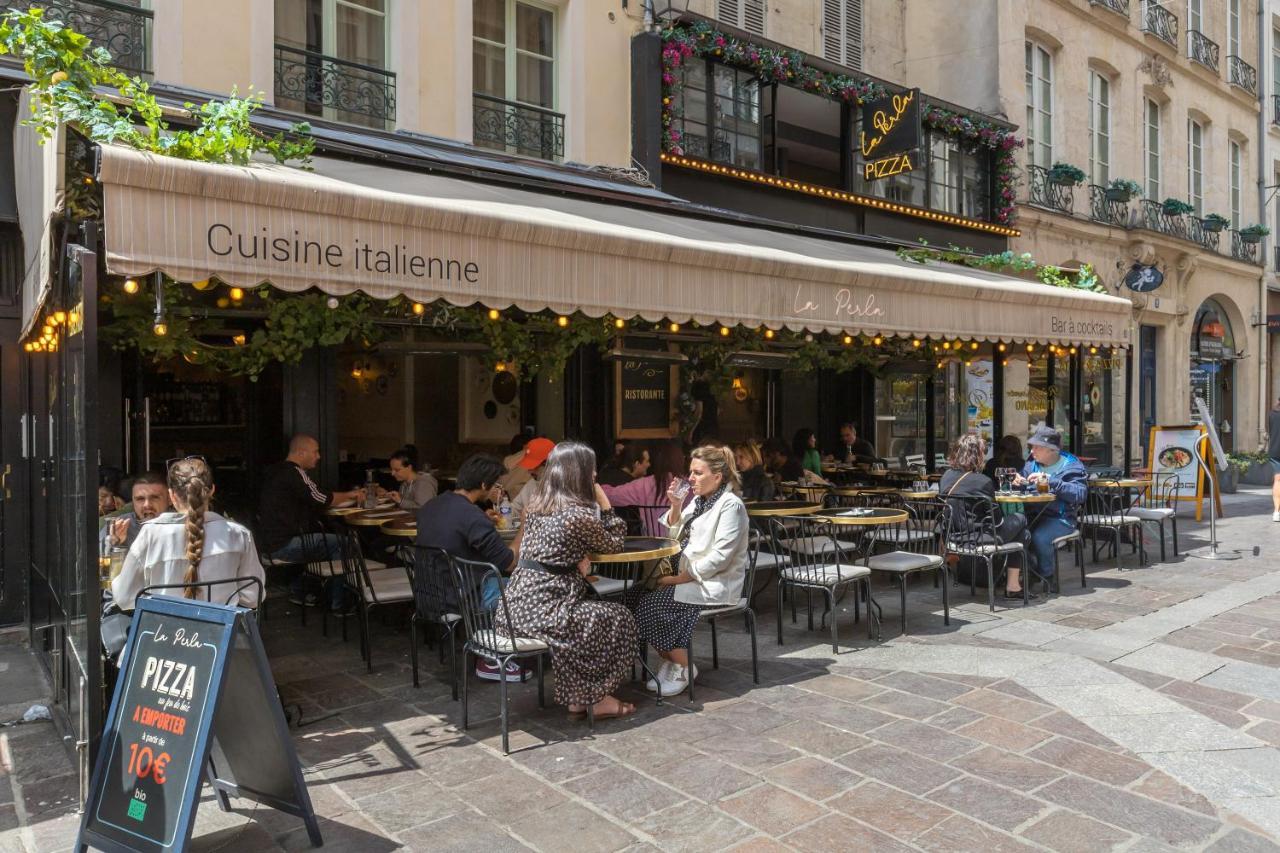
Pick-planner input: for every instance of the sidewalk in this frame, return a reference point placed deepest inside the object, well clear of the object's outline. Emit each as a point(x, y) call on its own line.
point(1140, 713)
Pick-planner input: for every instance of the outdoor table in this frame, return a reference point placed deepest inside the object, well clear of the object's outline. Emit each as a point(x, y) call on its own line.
point(759, 509)
point(404, 527)
point(865, 517)
point(913, 495)
point(854, 491)
point(377, 517)
point(1125, 483)
point(1025, 498)
point(340, 511)
point(639, 548)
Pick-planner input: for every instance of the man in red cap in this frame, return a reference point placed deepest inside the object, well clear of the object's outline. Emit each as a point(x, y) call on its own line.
point(535, 459)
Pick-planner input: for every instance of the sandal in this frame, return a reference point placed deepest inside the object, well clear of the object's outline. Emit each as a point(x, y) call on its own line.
point(624, 709)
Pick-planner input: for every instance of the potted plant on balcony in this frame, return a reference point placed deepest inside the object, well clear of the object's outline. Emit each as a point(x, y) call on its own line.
point(1215, 222)
point(1066, 175)
point(1176, 207)
point(1123, 189)
point(1254, 233)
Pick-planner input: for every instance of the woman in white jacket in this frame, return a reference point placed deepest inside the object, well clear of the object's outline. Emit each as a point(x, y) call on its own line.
point(712, 564)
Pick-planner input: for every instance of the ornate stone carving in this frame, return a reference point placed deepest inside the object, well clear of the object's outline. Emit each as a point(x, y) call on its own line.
point(1157, 70)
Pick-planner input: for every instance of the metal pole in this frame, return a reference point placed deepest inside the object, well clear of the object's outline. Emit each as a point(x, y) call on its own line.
point(1128, 408)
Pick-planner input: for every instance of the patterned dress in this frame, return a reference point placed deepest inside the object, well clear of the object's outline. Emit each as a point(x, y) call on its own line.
point(592, 643)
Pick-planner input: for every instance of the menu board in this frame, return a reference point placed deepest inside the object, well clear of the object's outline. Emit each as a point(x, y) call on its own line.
point(1173, 452)
point(980, 408)
point(184, 659)
point(644, 398)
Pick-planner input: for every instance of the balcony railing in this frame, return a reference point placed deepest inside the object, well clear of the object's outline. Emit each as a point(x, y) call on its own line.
point(1202, 49)
point(1242, 75)
point(1120, 7)
point(1276, 258)
point(1242, 251)
point(1160, 22)
point(1045, 193)
point(1275, 110)
point(1155, 219)
point(334, 88)
point(1197, 233)
point(123, 29)
point(519, 128)
point(1102, 209)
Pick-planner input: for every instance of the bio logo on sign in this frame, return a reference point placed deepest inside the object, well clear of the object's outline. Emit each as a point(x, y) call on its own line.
point(138, 807)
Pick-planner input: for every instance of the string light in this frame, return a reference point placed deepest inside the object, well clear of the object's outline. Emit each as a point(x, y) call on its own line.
point(877, 340)
point(848, 340)
point(500, 367)
point(562, 321)
point(160, 329)
point(916, 343)
point(1073, 350)
point(239, 340)
point(202, 284)
point(223, 302)
point(1001, 347)
point(673, 328)
point(28, 346)
point(356, 371)
point(619, 323)
point(1004, 362)
point(1093, 350)
point(724, 331)
point(973, 345)
point(46, 332)
point(131, 286)
point(419, 308)
point(768, 333)
point(236, 294)
point(493, 314)
point(946, 345)
point(1031, 347)
point(59, 317)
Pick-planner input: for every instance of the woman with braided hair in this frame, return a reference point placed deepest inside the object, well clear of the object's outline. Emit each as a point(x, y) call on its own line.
point(191, 544)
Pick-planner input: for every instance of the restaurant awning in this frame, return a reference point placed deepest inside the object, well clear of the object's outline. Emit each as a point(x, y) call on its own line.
point(350, 226)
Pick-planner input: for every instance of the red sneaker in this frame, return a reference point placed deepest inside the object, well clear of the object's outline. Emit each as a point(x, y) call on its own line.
point(489, 671)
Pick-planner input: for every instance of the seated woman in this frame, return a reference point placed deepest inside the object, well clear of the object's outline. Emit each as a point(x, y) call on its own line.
point(1008, 454)
point(416, 487)
point(191, 544)
point(756, 484)
point(592, 643)
point(711, 569)
point(964, 479)
point(649, 493)
point(804, 446)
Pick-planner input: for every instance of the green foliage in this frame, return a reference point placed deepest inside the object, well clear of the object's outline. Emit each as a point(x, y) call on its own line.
point(1176, 207)
point(68, 74)
point(1242, 462)
point(1065, 173)
point(1256, 230)
point(1082, 279)
point(1124, 185)
point(1218, 219)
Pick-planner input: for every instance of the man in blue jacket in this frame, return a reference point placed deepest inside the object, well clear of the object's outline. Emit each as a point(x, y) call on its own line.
point(1068, 482)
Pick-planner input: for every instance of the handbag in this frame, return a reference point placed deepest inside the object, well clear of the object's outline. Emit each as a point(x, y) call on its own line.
point(652, 571)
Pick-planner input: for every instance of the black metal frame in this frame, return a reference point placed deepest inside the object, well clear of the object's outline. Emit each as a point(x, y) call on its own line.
point(431, 576)
point(124, 30)
point(1203, 50)
point(1161, 23)
point(805, 571)
point(510, 125)
point(318, 81)
point(971, 532)
point(1242, 75)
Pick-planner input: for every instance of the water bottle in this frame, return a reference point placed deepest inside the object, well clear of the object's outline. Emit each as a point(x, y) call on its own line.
point(370, 491)
point(504, 513)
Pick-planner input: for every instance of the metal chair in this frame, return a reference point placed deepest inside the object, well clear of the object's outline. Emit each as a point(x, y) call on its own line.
point(971, 532)
point(818, 562)
point(431, 576)
point(485, 640)
point(916, 546)
point(1156, 504)
point(1075, 541)
point(237, 584)
point(373, 589)
point(1107, 512)
point(318, 562)
point(743, 606)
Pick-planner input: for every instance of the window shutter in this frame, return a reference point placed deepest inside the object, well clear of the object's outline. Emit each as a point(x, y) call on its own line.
point(746, 15)
point(842, 32)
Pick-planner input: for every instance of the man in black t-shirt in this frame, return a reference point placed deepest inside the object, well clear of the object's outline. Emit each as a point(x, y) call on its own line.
point(289, 506)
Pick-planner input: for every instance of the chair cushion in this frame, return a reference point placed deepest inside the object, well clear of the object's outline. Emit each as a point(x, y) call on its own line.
point(829, 574)
point(389, 585)
point(497, 642)
point(609, 586)
point(1109, 520)
point(983, 547)
point(1151, 513)
point(902, 562)
point(1066, 538)
point(898, 534)
point(723, 609)
point(769, 560)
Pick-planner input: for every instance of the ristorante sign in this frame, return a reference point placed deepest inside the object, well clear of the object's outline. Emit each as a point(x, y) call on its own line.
point(891, 135)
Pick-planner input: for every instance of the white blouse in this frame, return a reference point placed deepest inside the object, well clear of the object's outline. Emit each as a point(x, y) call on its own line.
point(716, 556)
point(159, 556)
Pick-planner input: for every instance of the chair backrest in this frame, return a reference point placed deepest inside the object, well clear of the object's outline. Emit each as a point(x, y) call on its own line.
point(469, 580)
point(316, 554)
point(914, 460)
point(434, 589)
point(915, 535)
point(1163, 490)
point(810, 547)
point(1105, 498)
point(237, 585)
point(354, 568)
point(971, 519)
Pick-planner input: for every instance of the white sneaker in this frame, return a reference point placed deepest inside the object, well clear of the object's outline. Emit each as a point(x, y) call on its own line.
point(676, 680)
point(1275, 516)
point(652, 684)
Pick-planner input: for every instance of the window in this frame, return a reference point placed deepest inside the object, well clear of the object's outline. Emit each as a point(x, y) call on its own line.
point(1275, 62)
point(1233, 28)
point(959, 180)
point(1099, 129)
point(1152, 143)
point(1039, 125)
point(1195, 16)
point(1234, 150)
point(842, 32)
point(744, 14)
point(719, 115)
point(513, 76)
point(330, 60)
point(1195, 165)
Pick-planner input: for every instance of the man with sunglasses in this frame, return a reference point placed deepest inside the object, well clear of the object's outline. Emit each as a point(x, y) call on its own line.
point(290, 522)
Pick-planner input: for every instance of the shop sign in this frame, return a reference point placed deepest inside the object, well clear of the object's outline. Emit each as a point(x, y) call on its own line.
point(644, 396)
point(1210, 347)
point(1273, 324)
point(1143, 278)
point(891, 135)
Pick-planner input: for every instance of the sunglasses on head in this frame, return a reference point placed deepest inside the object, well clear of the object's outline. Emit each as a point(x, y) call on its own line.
point(169, 463)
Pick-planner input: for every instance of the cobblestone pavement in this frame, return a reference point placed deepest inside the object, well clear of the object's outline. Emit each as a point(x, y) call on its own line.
point(1140, 713)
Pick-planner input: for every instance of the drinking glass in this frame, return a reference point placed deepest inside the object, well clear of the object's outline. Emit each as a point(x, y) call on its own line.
point(682, 488)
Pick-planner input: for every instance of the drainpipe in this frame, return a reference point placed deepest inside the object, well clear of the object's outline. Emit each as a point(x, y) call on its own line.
point(1264, 393)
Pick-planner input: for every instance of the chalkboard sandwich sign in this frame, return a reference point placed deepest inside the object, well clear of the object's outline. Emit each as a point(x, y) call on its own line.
point(195, 701)
point(645, 392)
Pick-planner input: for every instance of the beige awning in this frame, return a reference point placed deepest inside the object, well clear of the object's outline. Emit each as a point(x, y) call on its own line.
point(351, 226)
point(38, 173)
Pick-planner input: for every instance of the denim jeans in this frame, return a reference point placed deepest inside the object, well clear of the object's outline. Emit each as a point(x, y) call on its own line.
point(490, 592)
point(316, 547)
point(1043, 532)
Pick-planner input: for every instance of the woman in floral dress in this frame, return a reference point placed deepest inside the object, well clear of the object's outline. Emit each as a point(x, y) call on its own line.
point(593, 644)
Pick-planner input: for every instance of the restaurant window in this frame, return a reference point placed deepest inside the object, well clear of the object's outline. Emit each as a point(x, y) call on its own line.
point(1151, 140)
point(901, 403)
point(1099, 129)
point(805, 144)
point(746, 15)
point(1195, 165)
point(1233, 148)
point(1213, 355)
point(959, 178)
point(1026, 393)
point(1039, 124)
point(720, 115)
point(333, 53)
point(842, 32)
point(513, 72)
point(1096, 409)
point(1062, 408)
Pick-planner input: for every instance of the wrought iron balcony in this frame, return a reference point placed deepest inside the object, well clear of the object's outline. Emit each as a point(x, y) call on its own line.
point(1155, 219)
point(1275, 110)
point(1120, 7)
point(1045, 193)
point(1242, 251)
point(519, 128)
point(1197, 233)
point(1160, 22)
point(122, 28)
point(1242, 75)
point(335, 88)
point(1276, 261)
point(1202, 49)
point(1103, 209)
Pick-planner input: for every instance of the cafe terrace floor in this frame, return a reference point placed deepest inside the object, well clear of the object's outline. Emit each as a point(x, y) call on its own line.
point(1139, 714)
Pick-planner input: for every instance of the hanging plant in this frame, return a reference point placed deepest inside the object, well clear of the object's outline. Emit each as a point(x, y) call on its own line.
point(1215, 222)
point(1254, 233)
point(774, 65)
point(1122, 190)
point(1007, 262)
point(1066, 175)
point(1176, 207)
